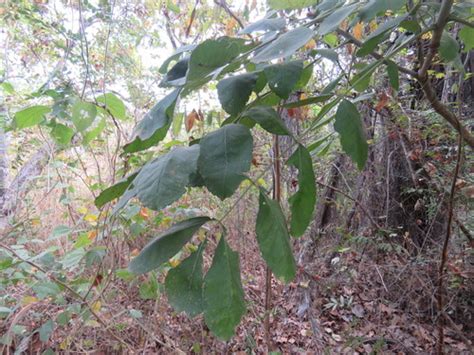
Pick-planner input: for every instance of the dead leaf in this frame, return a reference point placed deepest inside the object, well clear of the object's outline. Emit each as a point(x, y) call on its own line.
point(358, 30)
point(383, 100)
point(358, 311)
point(190, 119)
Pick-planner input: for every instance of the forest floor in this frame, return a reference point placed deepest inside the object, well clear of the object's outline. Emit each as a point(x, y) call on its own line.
point(344, 301)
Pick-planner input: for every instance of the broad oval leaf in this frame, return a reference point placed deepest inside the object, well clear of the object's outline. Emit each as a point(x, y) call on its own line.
point(266, 24)
point(351, 132)
point(211, 55)
point(268, 119)
point(273, 239)
point(176, 75)
point(282, 78)
point(225, 155)
point(165, 246)
point(83, 114)
point(392, 71)
point(224, 303)
point(448, 47)
point(164, 179)
point(374, 7)
point(290, 4)
point(93, 131)
point(333, 21)
point(114, 105)
point(184, 284)
point(30, 116)
point(234, 92)
point(62, 134)
point(154, 126)
point(303, 201)
point(114, 191)
point(285, 45)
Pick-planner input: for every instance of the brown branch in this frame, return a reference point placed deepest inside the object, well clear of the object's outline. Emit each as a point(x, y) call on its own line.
point(422, 75)
point(444, 254)
point(226, 8)
point(191, 20)
point(444, 111)
point(374, 54)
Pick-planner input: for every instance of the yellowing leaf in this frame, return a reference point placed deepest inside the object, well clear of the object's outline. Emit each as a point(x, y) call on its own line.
point(92, 235)
point(28, 300)
point(229, 26)
point(174, 262)
point(311, 44)
point(165, 222)
point(358, 30)
point(191, 247)
point(373, 26)
point(427, 35)
point(96, 306)
point(90, 217)
point(82, 210)
point(35, 222)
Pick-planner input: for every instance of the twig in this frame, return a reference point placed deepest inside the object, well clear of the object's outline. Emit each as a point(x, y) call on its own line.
point(444, 254)
point(372, 220)
point(226, 8)
point(69, 289)
point(191, 20)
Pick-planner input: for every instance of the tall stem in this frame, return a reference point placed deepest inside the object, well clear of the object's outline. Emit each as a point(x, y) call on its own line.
point(268, 281)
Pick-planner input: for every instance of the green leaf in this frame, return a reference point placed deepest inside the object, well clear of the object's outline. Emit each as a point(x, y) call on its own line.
point(224, 303)
point(46, 330)
point(177, 123)
point(164, 179)
point(83, 114)
point(467, 36)
point(62, 134)
point(290, 4)
point(303, 201)
point(304, 77)
point(225, 155)
point(282, 78)
point(7, 87)
point(273, 239)
point(30, 116)
point(333, 21)
point(285, 45)
point(351, 132)
point(361, 80)
point(266, 24)
point(374, 7)
point(165, 246)
point(93, 133)
point(392, 71)
point(211, 55)
point(154, 126)
point(448, 47)
point(176, 75)
point(114, 105)
point(234, 92)
point(175, 56)
point(268, 119)
point(149, 290)
point(184, 285)
point(114, 191)
point(45, 289)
